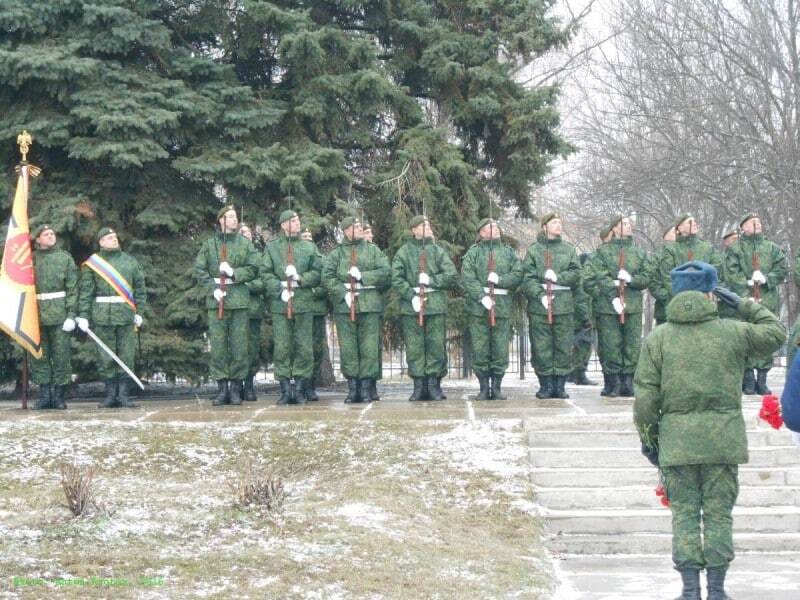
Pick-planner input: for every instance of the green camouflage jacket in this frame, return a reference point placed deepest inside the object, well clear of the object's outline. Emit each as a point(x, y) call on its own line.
point(725, 311)
point(92, 286)
point(55, 271)
point(739, 268)
point(256, 288)
point(319, 305)
point(681, 251)
point(605, 265)
point(243, 259)
point(688, 381)
point(375, 276)
point(475, 270)
point(307, 261)
point(405, 273)
point(567, 267)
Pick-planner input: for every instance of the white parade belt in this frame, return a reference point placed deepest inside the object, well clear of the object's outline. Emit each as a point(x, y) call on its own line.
point(228, 281)
point(497, 291)
point(427, 289)
point(51, 295)
point(359, 287)
point(558, 288)
point(110, 299)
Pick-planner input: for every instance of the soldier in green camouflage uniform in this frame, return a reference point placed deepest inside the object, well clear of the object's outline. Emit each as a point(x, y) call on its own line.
point(584, 329)
point(290, 277)
point(728, 240)
point(373, 392)
point(224, 265)
point(356, 273)
point(658, 286)
point(688, 412)
point(551, 263)
point(424, 290)
point(112, 319)
point(57, 298)
point(489, 343)
point(756, 266)
point(319, 308)
point(620, 267)
point(593, 290)
point(255, 313)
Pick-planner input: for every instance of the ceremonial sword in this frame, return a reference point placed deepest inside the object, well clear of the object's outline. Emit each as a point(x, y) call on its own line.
point(116, 358)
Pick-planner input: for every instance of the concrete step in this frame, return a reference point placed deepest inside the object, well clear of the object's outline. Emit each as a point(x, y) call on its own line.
point(661, 543)
point(648, 476)
point(575, 438)
point(760, 456)
point(659, 520)
point(644, 496)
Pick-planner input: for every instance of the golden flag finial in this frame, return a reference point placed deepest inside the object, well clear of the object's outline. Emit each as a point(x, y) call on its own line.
point(24, 140)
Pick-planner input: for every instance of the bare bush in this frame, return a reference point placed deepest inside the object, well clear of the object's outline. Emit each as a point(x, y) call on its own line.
point(77, 485)
point(260, 486)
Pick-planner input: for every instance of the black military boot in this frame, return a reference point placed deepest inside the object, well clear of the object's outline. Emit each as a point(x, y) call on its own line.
point(615, 383)
point(749, 383)
point(497, 381)
point(483, 393)
point(236, 391)
point(626, 385)
point(559, 391)
point(284, 399)
point(300, 391)
point(691, 584)
point(111, 394)
point(250, 389)
point(292, 391)
point(545, 387)
point(363, 390)
point(761, 382)
point(715, 578)
point(222, 393)
point(419, 390)
point(373, 391)
point(311, 390)
point(57, 399)
point(123, 399)
point(352, 391)
point(435, 388)
point(581, 379)
point(606, 385)
point(45, 397)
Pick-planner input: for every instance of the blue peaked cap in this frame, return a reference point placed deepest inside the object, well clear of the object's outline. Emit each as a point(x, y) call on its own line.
point(694, 276)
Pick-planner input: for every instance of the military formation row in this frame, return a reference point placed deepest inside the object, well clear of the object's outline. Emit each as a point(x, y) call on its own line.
point(567, 297)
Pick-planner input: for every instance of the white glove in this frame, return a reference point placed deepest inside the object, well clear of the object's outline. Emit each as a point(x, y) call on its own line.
point(291, 272)
point(286, 294)
point(618, 305)
point(550, 275)
point(623, 275)
point(226, 269)
point(487, 302)
point(355, 273)
point(750, 283)
point(493, 278)
point(83, 324)
point(416, 303)
point(758, 277)
point(69, 325)
point(138, 320)
point(424, 279)
point(219, 295)
point(545, 303)
point(349, 297)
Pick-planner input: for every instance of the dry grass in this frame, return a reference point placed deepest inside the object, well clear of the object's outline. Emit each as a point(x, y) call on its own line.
point(261, 487)
point(77, 485)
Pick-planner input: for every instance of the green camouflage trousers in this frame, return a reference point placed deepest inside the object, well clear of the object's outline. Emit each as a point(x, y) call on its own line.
point(55, 366)
point(230, 357)
point(489, 345)
point(359, 345)
point(293, 342)
point(319, 334)
point(581, 349)
point(122, 341)
point(708, 492)
point(619, 344)
point(254, 345)
point(426, 351)
point(551, 345)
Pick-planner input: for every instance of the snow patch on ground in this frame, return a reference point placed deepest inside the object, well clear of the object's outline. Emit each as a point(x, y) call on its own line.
point(368, 516)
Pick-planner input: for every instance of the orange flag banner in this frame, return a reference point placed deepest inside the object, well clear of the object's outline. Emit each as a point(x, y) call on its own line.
point(19, 314)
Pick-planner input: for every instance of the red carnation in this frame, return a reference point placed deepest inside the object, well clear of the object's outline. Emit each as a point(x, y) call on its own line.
point(771, 411)
point(662, 494)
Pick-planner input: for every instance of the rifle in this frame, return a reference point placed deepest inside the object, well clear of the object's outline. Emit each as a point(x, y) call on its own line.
point(756, 263)
point(289, 261)
point(548, 264)
point(492, 266)
point(621, 265)
point(223, 283)
point(352, 283)
point(423, 267)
